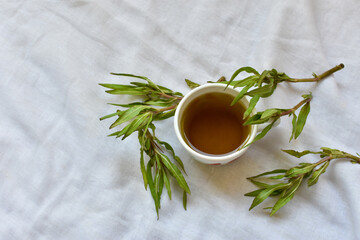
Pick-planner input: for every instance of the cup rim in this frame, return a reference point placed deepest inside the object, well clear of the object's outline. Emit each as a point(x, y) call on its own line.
point(211, 158)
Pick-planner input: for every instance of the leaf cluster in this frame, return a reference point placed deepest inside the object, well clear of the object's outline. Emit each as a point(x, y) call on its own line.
point(158, 103)
point(272, 115)
point(160, 166)
point(288, 181)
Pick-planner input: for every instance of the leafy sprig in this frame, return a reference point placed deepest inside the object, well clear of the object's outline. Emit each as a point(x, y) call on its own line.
point(288, 181)
point(272, 115)
point(257, 86)
point(158, 103)
point(263, 85)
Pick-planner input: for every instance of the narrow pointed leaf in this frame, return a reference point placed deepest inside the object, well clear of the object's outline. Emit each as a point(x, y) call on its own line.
point(151, 84)
point(293, 126)
point(165, 115)
point(121, 132)
point(167, 183)
point(129, 114)
point(270, 172)
point(262, 133)
point(262, 77)
point(246, 81)
point(315, 176)
point(254, 100)
point(299, 154)
point(287, 197)
point(293, 172)
point(118, 113)
point(170, 149)
point(268, 113)
point(264, 91)
point(243, 69)
point(175, 172)
point(260, 184)
point(138, 123)
point(304, 112)
point(152, 188)
point(130, 91)
point(142, 167)
point(241, 94)
point(265, 194)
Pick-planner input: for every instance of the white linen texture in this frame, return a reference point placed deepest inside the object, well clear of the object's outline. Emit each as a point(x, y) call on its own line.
point(61, 177)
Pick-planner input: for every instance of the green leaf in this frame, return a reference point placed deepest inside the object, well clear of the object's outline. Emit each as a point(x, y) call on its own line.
point(160, 102)
point(246, 81)
point(304, 112)
point(129, 91)
point(299, 154)
point(139, 122)
point(159, 184)
point(295, 171)
point(121, 132)
point(129, 114)
point(185, 200)
point(165, 115)
point(191, 84)
point(259, 184)
point(254, 100)
point(170, 149)
point(241, 94)
point(256, 192)
point(175, 172)
point(152, 188)
point(277, 176)
point(118, 113)
point(293, 126)
point(142, 167)
point(334, 152)
point(315, 176)
point(269, 173)
point(262, 133)
point(243, 69)
point(117, 86)
point(289, 194)
point(151, 84)
point(254, 119)
point(167, 182)
point(266, 193)
point(127, 105)
point(143, 141)
point(263, 92)
point(262, 77)
point(268, 113)
point(169, 91)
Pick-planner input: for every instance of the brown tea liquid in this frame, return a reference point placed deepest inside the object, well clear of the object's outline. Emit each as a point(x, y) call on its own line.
point(211, 126)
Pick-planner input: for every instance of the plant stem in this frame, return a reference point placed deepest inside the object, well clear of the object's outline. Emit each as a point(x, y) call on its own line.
point(166, 108)
point(353, 157)
point(169, 96)
point(328, 158)
point(318, 77)
point(296, 106)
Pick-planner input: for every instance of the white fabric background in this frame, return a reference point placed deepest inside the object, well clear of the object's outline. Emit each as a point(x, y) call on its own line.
point(62, 178)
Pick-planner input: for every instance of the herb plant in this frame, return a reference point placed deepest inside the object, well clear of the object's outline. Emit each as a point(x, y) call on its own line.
point(158, 103)
point(288, 181)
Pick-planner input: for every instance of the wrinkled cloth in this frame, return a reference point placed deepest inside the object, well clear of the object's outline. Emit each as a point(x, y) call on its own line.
point(61, 177)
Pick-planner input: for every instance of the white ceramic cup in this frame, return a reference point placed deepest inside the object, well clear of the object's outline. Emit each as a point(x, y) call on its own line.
point(211, 159)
